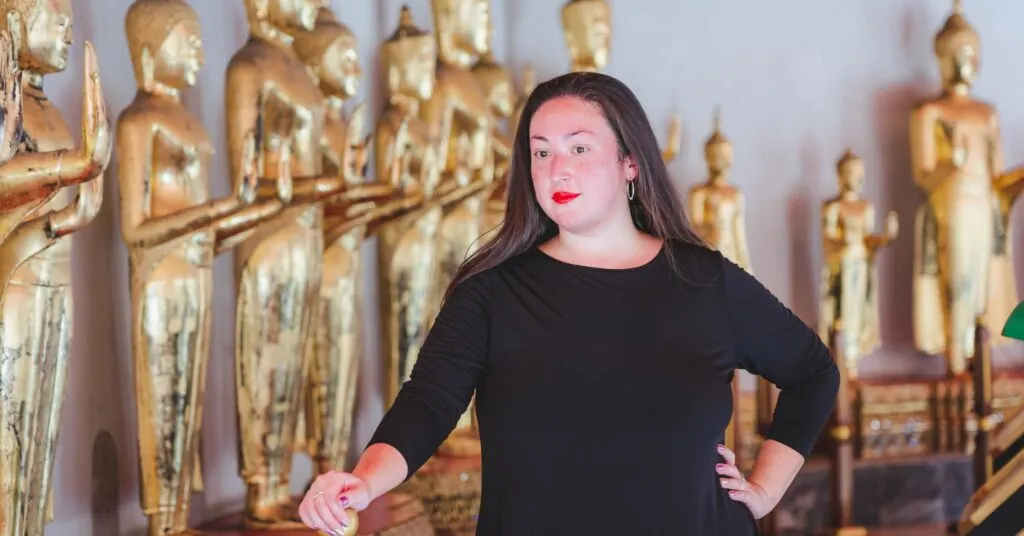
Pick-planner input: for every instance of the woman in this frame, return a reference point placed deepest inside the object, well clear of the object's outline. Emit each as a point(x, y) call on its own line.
point(601, 337)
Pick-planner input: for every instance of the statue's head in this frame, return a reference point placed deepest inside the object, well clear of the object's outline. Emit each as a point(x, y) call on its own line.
point(408, 59)
point(497, 84)
point(41, 30)
point(331, 54)
point(464, 26)
point(850, 170)
point(288, 15)
point(958, 50)
point(718, 148)
point(588, 31)
point(165, 43)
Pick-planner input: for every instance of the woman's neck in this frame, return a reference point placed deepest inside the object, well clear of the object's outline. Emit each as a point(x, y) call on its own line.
point(611, 248)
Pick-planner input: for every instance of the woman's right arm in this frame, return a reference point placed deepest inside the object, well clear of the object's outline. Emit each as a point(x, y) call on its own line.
point(449, 367)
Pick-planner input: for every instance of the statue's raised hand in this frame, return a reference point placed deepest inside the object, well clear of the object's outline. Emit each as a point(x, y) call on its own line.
point(10, 99)
point(97, 140)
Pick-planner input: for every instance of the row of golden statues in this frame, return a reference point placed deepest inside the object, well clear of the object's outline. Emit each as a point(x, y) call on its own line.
point(301, 205)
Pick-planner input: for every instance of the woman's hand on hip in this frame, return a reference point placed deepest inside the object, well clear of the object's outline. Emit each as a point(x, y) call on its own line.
point(331, 501)
point(748, 492)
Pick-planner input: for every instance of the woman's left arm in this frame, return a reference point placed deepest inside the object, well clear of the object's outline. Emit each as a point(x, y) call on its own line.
point(774, 343)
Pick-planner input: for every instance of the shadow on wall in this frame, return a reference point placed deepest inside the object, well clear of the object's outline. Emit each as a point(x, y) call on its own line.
point(105, 475)
point(801, 224)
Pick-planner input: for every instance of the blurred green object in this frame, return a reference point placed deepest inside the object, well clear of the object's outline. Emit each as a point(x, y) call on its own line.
point(1014, 327)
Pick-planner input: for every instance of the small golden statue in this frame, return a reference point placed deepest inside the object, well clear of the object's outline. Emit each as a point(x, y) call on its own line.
point(587, 25)
point(849, 284)
point(962, 266)
point(173, 231)
point(36, 321)
point(406, 155)
point(717, 207)
point(331, 54)
point(717, 212)
point(279, 264)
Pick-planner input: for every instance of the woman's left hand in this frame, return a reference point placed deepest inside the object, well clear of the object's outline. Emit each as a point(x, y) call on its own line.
point(748, 492)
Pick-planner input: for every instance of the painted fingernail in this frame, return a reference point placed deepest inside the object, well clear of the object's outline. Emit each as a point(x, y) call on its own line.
point(721, 448)
point(733, 494)
point(719, 466)
point(344, 501)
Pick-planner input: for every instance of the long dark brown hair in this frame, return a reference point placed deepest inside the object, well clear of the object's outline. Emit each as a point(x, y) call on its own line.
point(656, 208)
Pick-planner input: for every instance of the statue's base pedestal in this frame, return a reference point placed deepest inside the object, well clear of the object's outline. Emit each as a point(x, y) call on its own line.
point(394, 514)
point(449, 488)
point(916, 495)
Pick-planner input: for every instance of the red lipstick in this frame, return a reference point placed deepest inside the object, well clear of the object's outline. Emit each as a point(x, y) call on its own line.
point(563, 197)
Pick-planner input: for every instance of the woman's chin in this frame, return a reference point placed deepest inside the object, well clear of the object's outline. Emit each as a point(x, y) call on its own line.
point(574, 223)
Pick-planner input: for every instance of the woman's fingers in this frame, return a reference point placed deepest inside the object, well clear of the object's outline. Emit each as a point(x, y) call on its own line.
point(728, 455)
point(730, 471)
point(313, 520)
point(330, 520)
point(337, 511)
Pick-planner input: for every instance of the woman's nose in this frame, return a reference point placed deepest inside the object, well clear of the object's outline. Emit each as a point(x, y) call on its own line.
point(559, 168)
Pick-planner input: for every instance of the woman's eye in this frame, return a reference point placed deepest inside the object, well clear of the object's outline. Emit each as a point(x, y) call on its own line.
point(579, 149)
point(540, 153)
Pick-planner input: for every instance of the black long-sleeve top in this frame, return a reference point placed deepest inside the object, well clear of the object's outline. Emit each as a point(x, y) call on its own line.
point(602, 394)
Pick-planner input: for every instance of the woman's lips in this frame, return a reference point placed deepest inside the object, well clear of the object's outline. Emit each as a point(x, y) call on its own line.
point(563, 197)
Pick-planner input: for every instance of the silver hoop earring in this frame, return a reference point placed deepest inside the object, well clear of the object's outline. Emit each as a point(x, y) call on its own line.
point(630, 190)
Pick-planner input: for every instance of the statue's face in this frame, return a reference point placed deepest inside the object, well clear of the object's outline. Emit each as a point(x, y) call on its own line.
point(588, 33)
point(469, 21)
point(182, 55)
point(959, 59)
point(719, 157)
point(340, 69)
point(294, 14)
point(477, 24)
point(414, 61)
point(47, 36)
point(965, 62)
point(851, 176)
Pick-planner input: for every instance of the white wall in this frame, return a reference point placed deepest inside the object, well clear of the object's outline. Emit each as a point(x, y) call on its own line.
point(798, 81)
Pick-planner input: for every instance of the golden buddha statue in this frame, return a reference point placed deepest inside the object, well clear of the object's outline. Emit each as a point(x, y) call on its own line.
point(460, 115)
point(849, 285)
point(36, 321)
point(406, 155)
point(279, 263)
point(336, 347)
point(173, 231)
point(717, 207)
point(587, 25)
point(961, 264)
point(31, 175)
point(500, 90)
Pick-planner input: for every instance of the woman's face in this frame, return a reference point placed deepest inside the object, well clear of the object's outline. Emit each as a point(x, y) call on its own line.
point(578, 175)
